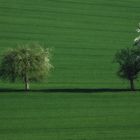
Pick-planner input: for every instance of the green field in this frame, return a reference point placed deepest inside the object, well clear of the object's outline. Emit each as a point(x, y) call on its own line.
point(101, 116)
point(83, 35)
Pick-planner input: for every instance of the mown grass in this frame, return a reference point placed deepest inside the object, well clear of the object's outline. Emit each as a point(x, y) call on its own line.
point(84, 36)
point(70, 116)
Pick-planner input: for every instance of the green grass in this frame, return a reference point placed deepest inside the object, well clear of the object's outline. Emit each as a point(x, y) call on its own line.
point(84, 36)
point(68, 116)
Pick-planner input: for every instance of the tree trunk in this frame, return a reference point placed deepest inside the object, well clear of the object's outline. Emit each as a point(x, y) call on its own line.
point(132, 84)
point(27, 86)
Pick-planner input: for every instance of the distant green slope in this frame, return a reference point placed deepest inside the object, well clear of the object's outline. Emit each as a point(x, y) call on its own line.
point(84, 36)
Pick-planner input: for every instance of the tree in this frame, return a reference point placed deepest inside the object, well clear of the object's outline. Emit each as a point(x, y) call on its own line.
point(129, 64)
point(137, 39)
point(27, 63)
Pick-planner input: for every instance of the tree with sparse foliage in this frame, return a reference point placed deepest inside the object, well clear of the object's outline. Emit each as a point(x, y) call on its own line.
point(27, 63)
point(129, 64)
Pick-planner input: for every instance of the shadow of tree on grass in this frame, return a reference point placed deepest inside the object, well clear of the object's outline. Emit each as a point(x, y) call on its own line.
point(67, 90)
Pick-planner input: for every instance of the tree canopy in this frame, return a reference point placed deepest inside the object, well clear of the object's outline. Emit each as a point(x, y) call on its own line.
point(30, 62)
point(129, 64)
point(137, 39)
